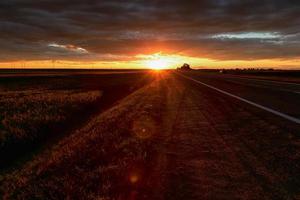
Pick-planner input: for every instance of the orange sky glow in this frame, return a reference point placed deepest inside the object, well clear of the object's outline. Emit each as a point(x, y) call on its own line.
point(153, 61)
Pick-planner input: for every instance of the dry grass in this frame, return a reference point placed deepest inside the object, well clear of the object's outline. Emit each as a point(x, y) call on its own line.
point(98, 161)
point(26, 115)
point(94, 161)
point(37, 111)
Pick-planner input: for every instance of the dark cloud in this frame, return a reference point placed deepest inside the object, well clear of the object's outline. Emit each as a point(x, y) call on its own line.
point(120, 29)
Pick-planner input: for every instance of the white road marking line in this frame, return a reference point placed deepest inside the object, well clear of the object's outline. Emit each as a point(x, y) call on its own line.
point(290, 118)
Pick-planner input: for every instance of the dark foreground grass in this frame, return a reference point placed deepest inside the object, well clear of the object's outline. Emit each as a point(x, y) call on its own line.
point(38, 110)
point(98, 161)
point(30, 114)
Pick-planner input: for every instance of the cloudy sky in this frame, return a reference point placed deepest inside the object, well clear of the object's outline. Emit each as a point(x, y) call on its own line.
point(118, 33)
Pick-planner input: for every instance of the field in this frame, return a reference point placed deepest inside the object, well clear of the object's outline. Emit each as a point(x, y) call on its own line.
point(165, 137)
point(39, 108)
point(29, 114)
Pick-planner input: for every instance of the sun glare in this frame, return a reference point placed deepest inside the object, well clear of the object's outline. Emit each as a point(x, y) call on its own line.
point(157, 62)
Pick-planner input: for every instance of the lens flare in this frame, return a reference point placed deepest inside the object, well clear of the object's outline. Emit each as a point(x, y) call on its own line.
point(133, 178)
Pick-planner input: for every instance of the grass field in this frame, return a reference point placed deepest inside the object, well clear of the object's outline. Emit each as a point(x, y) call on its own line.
point(30, 114)
point(39, 110)
point(98, 160)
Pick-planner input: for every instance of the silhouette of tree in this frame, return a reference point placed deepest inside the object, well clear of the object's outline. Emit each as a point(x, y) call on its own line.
point(185, 66)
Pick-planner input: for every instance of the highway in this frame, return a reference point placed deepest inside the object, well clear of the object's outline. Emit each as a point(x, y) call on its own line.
point(281, 97)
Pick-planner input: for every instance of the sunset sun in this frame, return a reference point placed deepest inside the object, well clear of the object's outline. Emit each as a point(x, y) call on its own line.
point(158, 64)
point(158, 61)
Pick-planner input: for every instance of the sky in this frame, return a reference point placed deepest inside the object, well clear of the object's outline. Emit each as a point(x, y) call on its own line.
point(140, 34)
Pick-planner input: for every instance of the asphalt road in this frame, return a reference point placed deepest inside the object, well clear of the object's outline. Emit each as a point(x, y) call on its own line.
point(224, 148)
point(283, 97)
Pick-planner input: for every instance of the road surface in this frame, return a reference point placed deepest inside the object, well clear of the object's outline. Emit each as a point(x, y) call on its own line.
point(178, 139)
point(225, 148)
point(281, 96)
